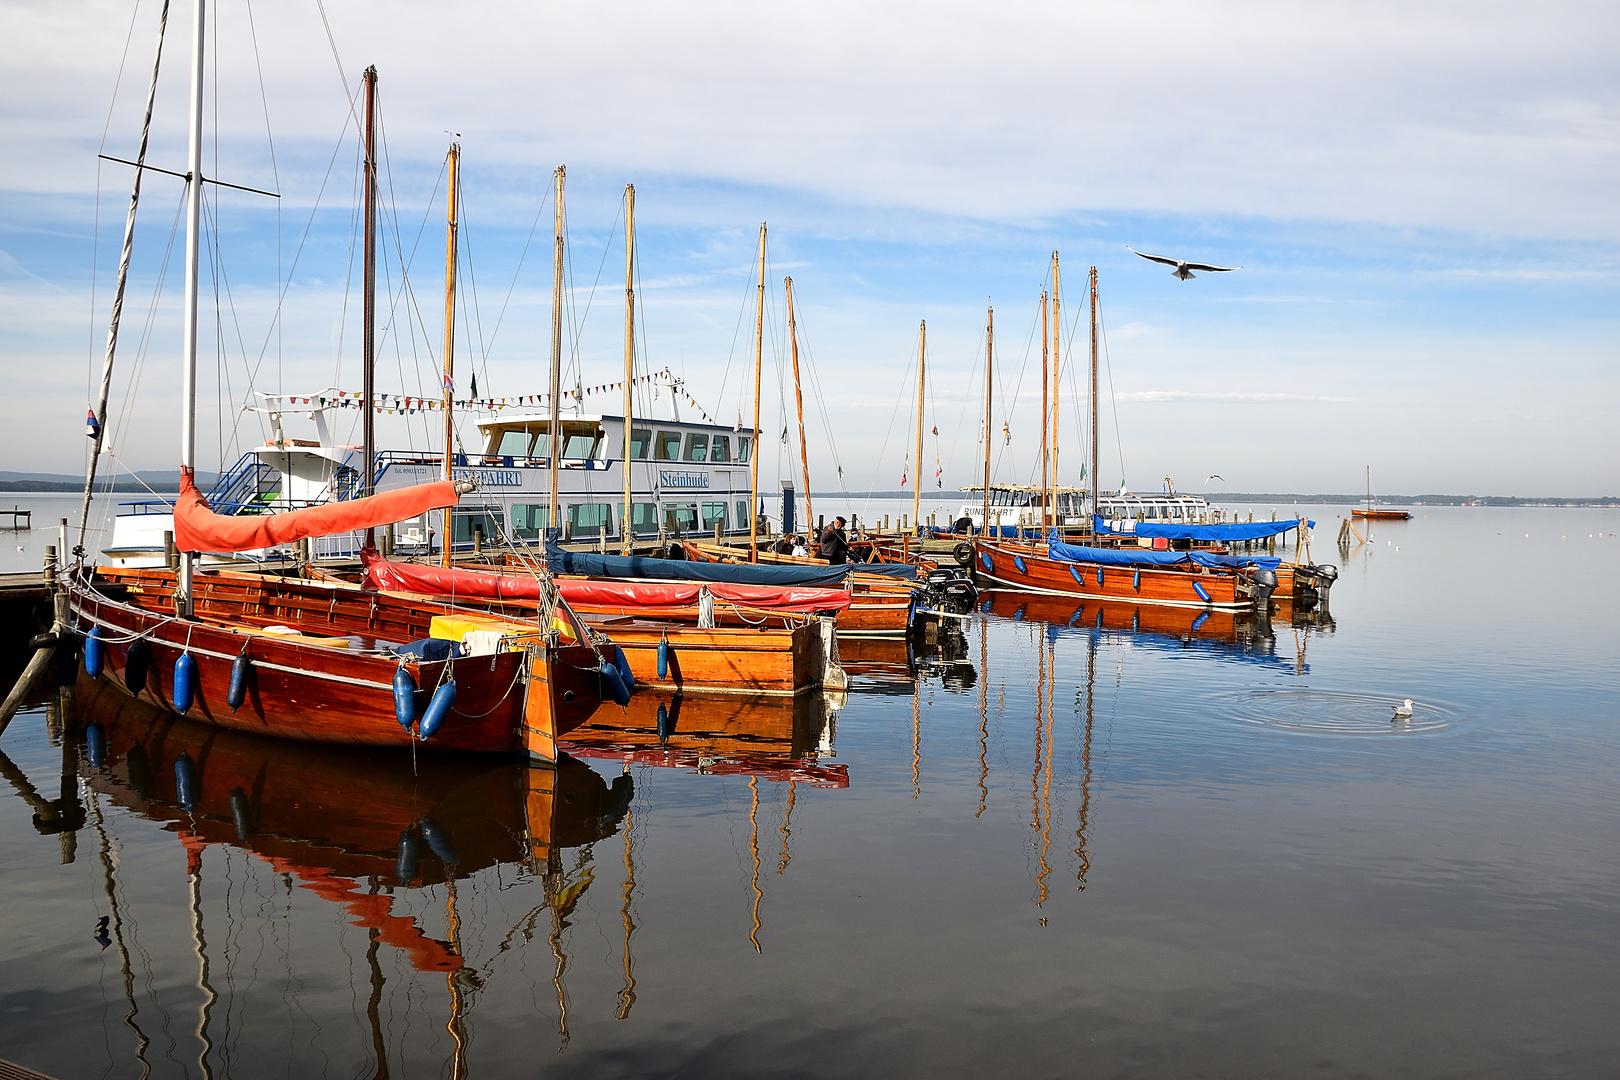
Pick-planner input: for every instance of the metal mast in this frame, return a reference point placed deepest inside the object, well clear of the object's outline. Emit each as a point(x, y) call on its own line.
point(368, 384)
point(188, 374)
point(450, 334)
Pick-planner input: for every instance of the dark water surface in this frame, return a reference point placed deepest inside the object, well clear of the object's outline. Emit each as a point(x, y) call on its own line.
point(1060, 850)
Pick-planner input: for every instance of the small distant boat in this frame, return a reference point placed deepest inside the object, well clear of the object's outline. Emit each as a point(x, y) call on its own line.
point(1381, 513)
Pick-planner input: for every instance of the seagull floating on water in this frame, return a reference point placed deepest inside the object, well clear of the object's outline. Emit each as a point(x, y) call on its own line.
point(1403, 711)
point(1183, 268)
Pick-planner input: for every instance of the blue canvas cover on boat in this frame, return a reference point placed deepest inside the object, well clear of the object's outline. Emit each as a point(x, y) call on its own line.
point(904, 571)
point(636, 566)
point(1236, 530)
point(1062, 552)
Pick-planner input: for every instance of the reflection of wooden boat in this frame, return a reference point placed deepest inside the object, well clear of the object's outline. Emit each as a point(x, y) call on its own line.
point(771, 737)
point(338, 818)
point(743, 660)
point(1217, 625)
point(877, 658)
point(331, 679)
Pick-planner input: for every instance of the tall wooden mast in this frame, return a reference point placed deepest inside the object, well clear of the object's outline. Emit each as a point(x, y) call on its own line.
point(989, 362)
point(629, 350)
point(368, 376)
point(1057, 367)
point(759, 360)
point(922, 375)
point(798, 400)
point(450, 246)
point(188, 374)
point(1096, 489)
point(554, 428)
point(1046, 460)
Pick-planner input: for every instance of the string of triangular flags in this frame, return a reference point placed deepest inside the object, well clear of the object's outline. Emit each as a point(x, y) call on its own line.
point(406, 404)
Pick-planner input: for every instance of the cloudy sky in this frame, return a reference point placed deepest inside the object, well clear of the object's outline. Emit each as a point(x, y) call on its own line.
point(1421, 198)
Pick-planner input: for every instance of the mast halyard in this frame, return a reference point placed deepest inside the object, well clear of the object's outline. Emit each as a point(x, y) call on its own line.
point(989, 362)
point(922, 375)
point(629, 350)
point(555, 444)
point(450, 334)
point(759, 358)
point(188, 375)
point(368, 375)
point(100, 427)
point(798, 399)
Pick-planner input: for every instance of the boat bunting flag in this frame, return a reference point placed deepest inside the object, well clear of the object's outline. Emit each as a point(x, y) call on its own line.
point(92, 426)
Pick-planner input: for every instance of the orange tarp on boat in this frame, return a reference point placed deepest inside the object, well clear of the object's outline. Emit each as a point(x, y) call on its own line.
point(198, 528)
point(473, 584)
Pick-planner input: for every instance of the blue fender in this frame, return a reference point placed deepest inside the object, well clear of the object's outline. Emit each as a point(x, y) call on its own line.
point(404, 697)
point(664, 654)
point(185, 683)
point(622, 662)
point(185, 781)
point(95, 745)
point(1202, 594)
point(240, 669)
point(439, 841)
point(663, 722)
point(95, 653)
point(612, 683)
point(406, 859)
point(439, 708)
point(137, 665)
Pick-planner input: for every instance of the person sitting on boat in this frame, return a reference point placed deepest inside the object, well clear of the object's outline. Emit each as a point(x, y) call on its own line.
point(800, 548)
point(784, 546)
point(834, 544)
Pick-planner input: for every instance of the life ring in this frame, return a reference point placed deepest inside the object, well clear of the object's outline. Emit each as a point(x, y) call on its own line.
point(963, 553)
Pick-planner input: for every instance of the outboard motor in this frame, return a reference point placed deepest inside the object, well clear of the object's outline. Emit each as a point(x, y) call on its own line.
point(1264, 583)
point(1324, 575)
point(950, 589)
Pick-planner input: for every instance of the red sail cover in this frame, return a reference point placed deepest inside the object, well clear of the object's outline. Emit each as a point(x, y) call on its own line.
point(197, 528)
point(477, 585)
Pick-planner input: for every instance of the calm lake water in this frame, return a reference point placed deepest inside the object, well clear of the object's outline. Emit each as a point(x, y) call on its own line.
point(1061, 849)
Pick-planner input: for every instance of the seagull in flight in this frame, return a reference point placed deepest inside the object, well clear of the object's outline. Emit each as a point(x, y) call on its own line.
point(1183, 268)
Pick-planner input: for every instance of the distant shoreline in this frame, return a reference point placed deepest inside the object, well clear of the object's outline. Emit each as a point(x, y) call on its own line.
point(1315, 499)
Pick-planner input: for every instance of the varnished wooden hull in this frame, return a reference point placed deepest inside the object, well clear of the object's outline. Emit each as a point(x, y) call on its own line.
point(1382, 515)
point(880, 606)
point(342, 820)
point(1017, 567)
point(752, 660)
point(311, 690)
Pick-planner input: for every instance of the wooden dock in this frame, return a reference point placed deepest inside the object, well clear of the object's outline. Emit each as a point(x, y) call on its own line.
point(20, 519)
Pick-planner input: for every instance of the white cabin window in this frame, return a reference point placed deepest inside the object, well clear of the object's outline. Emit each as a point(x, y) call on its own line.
point(681, 517)
point(514, 444)
point(714, 512)
point(744, 445)
point(640, 439)
point(529, 520)
point(720, 448)
point(668, 446)
point(590, 517)
point(644, 517)
point(697, 447)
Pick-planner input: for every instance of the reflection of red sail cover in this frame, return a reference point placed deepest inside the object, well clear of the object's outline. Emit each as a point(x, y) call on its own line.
point(197, 528)
point(476, 585)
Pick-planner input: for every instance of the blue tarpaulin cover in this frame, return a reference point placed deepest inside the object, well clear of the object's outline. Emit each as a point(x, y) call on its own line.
point(635, 566)
point(905, 571)
point(1236, 530)
point(1126, 557)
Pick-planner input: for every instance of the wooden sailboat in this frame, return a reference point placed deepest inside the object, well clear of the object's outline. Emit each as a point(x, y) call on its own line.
point(1380, 514)
point(1174, 579)
point(311, 662)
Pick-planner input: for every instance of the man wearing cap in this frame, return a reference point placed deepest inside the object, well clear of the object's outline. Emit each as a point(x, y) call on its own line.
point(834, 546)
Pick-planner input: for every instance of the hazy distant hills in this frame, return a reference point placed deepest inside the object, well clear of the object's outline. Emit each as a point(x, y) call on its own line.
point(155, 480)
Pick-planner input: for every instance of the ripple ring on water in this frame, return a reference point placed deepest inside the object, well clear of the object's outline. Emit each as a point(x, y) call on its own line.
point(1329, 712)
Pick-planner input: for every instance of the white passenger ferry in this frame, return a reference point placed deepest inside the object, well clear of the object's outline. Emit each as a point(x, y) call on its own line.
point(685, 478)
point(1019, 506)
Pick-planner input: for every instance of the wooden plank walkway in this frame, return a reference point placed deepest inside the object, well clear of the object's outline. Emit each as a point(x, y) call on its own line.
point(27, 586)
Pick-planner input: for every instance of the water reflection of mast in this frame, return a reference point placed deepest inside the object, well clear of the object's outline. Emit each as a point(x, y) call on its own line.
point(916, 738)
point(627, 996)
point(984, 713)
point(1085, 762)
point(753, 846)
point(379, 1045)
point(457, 1025)
point(104, 851)
point(200, 943)
point(1044, 687)
point(787, 825)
